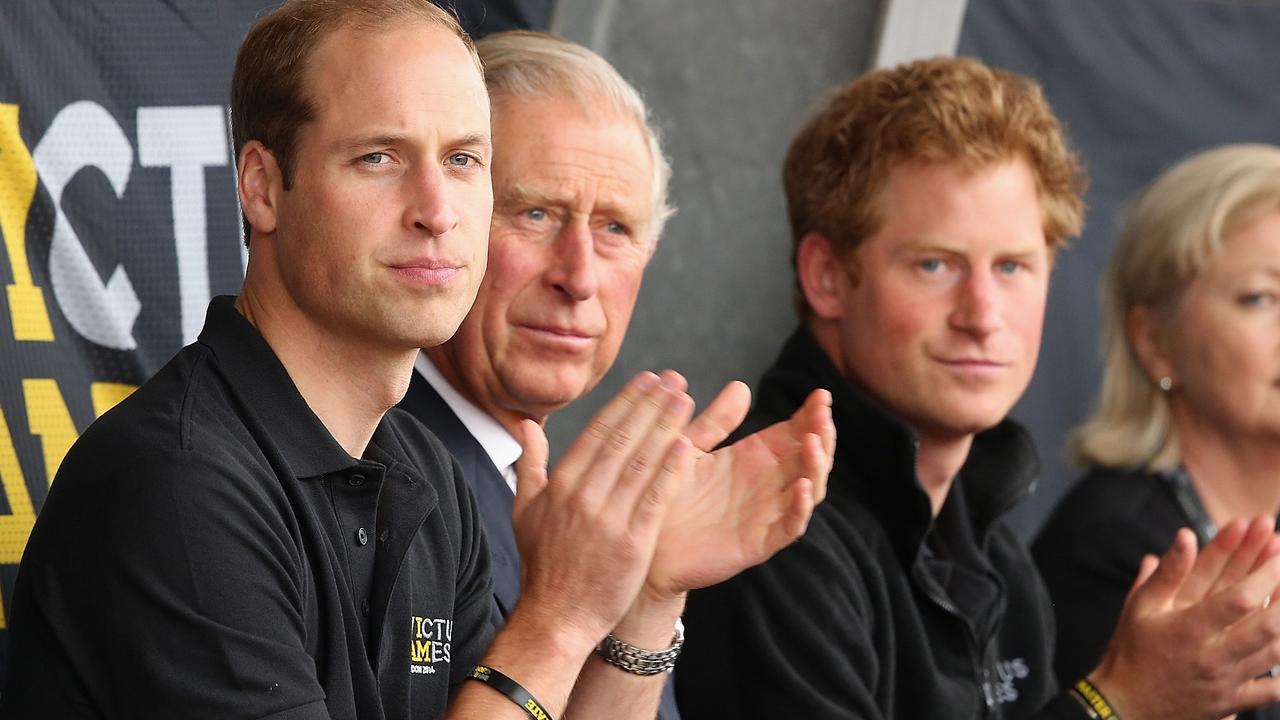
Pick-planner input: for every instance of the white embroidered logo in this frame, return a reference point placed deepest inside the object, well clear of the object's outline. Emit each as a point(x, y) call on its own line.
point(999, 685)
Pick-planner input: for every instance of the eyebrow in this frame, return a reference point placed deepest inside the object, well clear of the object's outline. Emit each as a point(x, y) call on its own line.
point(518, 193)
point(1272, 271)
point(933, 243)
point(473, 140)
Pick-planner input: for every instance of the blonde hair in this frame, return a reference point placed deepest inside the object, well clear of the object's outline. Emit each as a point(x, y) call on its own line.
point(525, 64)
point(944, 109)
point(1173, 228)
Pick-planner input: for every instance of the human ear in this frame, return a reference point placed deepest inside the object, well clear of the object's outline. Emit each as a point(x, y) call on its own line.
point(259, 183)
point(820, 273)
point(1143, 329)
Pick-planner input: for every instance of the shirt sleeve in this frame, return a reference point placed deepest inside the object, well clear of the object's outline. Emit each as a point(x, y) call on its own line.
point(163, 586)
point(789, 638)
point(474, 616)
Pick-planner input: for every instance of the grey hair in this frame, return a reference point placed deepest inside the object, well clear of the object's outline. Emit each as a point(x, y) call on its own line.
point(522, 64)
point(1172, 230)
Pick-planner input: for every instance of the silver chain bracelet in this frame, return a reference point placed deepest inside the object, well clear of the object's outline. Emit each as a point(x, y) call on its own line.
point(639, 661)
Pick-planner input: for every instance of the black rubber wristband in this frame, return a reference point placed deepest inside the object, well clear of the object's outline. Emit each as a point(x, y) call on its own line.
point(512, 689)
point(1094, 700)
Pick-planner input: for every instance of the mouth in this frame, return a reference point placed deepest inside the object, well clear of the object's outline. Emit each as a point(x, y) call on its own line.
point(973, 367)
point(563, 336)
point(428, 271)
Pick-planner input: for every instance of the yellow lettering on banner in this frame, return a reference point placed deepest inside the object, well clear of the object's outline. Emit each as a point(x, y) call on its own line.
point(17, 190)
point(49, 420)
point(15, 527)
point(107, 395)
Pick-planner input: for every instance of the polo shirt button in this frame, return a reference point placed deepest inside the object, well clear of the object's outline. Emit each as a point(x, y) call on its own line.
point(383, 535)
point(364, 606)
point(355, 480)
point(362, 537)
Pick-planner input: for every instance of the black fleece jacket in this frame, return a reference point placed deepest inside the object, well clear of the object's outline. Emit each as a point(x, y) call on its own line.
point(879, 612)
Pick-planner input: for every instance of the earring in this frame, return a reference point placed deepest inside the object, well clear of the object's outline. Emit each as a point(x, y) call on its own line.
point(1166, 383)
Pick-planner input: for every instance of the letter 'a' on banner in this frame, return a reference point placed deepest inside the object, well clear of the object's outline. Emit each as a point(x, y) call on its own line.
point(17, 189)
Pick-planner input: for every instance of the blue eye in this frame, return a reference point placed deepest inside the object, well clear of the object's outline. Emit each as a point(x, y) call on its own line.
point(932, 265)
point(461, 160)
point(1008, 267)
point(616, 228)
point(536, 214)
point(375, 158)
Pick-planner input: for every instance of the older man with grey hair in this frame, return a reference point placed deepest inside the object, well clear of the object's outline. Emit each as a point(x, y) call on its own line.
point(580, 198)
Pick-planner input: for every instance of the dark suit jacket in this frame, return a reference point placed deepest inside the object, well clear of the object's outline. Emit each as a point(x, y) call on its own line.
point(494, 499)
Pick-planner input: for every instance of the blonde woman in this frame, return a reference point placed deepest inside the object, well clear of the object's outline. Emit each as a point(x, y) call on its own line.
point(1187, 428)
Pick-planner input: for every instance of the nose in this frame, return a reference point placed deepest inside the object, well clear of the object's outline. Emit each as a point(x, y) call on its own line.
point(430, 207)
point(573, 261)
point(976, 309)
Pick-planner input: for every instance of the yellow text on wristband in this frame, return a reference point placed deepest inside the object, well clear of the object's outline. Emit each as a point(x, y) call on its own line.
point(512, 689)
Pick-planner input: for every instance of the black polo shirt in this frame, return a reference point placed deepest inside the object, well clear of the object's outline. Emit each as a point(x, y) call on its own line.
point(208, 550)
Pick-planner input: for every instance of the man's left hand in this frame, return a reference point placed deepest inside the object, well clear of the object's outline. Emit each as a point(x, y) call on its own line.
point(745, 501)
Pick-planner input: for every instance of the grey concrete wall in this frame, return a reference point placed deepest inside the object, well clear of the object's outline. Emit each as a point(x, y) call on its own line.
point(729, 83)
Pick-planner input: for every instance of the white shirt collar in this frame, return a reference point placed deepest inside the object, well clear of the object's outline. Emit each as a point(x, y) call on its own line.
point(498, 444)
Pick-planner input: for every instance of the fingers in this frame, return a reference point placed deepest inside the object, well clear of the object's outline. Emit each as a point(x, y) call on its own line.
point(797, 500)
point(636, 455)
point(826, 427)
point(1251, 647)
point(814, 416)
point(721, 417)
point(677, 466)
point(1249, 555)
point(1259, 692)
point(812, 464)
point(531, 467)
point(1272, 549)
point(1163, 582)
point(818, 458)
point(577, 460)
point(794, 521)
point(1212, 560)
point(1243, 599)
point(1145, 569)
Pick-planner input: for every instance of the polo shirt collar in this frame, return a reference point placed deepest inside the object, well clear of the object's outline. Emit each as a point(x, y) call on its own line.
point(266, 392)
point(878, 451)
point(503, 449)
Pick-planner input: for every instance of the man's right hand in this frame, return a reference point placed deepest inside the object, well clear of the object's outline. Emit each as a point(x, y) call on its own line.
point(587, 533)
point(1198, 634)
point(587, 536)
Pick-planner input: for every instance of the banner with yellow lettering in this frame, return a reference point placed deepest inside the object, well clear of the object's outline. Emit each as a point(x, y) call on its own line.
point(117, 213)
